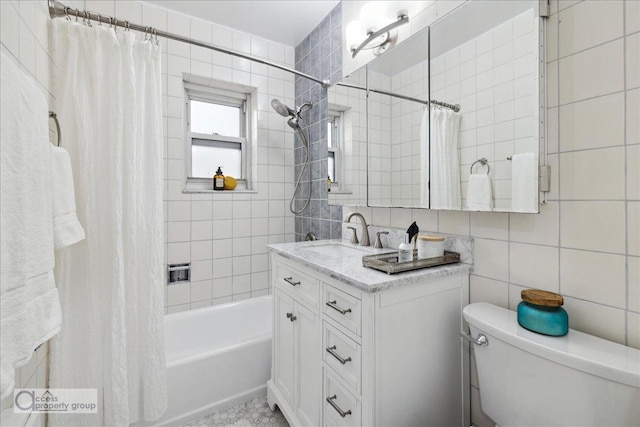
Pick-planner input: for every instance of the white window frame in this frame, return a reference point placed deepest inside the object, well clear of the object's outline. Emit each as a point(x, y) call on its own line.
point(197, 92)
point(337, 118)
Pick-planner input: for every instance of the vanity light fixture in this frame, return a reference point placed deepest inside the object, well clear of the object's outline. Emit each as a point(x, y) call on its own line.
point(384, 37)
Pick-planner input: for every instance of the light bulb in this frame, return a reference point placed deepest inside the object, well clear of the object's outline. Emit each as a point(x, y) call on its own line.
point(373, 15)
point(354, 34)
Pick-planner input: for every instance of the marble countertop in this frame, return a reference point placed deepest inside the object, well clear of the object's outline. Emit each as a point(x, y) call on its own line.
point(345, 264)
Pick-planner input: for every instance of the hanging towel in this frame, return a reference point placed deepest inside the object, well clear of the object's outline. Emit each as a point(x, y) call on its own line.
point(66, 227)
point(445, 164)
point(479, 193)
point(29, 300)
point(524, 183)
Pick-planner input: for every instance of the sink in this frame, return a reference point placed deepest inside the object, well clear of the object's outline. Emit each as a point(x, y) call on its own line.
point(337, 250)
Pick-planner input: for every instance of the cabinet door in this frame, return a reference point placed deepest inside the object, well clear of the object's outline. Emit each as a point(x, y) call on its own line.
point(283, 344)
point(308, 372)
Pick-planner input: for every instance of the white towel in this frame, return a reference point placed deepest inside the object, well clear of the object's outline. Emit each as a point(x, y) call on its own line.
point(66, 227)
point(29, 300)
point(479, 193)
point(524, 183)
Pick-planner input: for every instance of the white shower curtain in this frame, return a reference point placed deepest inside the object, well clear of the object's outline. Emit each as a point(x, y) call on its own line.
point(424, 159)
point(109, 102)
point(445, 163)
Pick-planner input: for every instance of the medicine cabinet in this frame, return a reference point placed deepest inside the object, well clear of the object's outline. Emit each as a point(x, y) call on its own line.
point(485, 58)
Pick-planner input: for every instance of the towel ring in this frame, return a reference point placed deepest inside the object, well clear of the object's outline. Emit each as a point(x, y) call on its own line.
point(54, 116)
point(484, 162)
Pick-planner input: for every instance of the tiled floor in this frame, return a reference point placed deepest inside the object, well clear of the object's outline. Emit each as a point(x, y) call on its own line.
point(256, 412)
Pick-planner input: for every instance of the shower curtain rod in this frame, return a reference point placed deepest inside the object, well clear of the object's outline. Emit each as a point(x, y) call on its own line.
point(454, 107)
point(57, 9)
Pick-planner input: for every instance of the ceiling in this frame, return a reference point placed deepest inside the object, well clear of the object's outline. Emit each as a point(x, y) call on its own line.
point(286, 22)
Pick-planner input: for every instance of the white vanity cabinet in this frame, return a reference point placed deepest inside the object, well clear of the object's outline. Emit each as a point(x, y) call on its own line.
point(343, 356)
point(296, 343)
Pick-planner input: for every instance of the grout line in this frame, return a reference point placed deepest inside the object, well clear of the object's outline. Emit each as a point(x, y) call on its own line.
point(586, 49)
point(626, 210)
point(559, 143)
point(591, 98)
point(589, 149)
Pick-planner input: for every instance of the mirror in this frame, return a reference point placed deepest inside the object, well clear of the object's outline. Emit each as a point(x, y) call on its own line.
point(347, 140)
point(484, 57)
point(398, 146)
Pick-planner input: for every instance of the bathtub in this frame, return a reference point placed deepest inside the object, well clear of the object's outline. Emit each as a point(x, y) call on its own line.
point(217, 357)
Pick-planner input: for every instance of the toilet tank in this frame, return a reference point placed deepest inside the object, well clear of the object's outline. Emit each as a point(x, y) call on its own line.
point(528, 379)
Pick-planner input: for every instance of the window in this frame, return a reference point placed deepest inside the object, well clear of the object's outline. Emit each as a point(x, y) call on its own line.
point(216, 135)
point(334, 156)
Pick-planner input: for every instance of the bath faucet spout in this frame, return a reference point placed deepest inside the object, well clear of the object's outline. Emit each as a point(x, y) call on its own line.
point(364, 240)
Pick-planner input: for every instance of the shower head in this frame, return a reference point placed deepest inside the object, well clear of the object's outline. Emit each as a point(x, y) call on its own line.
point(282, 109)
point(293, 122)
point(293, 115)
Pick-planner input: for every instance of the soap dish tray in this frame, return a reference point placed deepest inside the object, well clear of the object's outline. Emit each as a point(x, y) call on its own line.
point(388, 262)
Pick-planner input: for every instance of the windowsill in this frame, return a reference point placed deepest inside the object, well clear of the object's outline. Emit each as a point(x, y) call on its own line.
point(205, 186)
point(198, 191)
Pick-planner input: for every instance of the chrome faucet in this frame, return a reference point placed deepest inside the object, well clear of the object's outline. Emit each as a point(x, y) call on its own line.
point(364, 240)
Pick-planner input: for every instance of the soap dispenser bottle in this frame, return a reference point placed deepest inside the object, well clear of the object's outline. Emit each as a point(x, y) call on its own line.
point(218, 180)
point(405, 250)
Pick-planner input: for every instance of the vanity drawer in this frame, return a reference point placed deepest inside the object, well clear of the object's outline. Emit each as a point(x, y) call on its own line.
point(344, 355)
point(340, 408)
point(296, 282)
point(343, 308)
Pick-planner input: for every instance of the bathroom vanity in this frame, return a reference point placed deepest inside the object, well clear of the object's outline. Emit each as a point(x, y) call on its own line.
point(357, 347)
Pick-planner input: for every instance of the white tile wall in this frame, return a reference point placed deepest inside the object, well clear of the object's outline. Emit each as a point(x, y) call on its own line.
point(381, 170)
point(406, 119)
point(224, 236)
point(585, 243)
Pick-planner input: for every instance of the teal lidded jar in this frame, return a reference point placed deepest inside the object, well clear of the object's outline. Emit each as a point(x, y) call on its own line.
point(541, 312)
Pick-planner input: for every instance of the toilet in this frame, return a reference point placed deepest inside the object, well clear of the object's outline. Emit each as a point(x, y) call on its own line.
point(528, 379)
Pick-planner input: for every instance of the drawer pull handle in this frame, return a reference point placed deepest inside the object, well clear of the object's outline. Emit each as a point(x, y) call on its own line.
point(331, 351)
point(336, 407)
point(333, 305)
point(291, 317)
point(290, 281)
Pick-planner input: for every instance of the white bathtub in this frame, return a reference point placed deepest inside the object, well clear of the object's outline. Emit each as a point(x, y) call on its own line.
point(216, 357)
